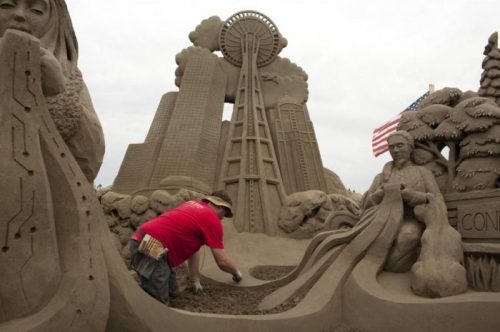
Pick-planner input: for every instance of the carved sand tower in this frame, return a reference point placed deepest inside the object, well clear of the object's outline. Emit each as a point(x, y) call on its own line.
point(297, 148)
point(250, 170)
point(184, 136)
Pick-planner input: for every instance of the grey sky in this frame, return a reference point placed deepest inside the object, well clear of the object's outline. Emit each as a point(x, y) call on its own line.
point(366, 61)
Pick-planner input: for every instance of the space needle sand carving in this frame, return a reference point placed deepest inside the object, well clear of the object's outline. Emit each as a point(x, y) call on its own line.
point(250, 169)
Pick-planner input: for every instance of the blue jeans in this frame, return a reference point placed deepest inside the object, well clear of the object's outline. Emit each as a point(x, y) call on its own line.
point(156, 276)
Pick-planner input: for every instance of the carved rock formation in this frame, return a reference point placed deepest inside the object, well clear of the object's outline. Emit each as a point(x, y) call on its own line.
point(307, 213)
point(125, 213)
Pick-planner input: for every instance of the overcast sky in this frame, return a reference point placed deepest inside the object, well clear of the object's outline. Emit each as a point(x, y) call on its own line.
point(366, 61)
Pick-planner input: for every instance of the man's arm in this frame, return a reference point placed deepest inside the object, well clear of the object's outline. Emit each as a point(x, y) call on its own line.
point(430, 182)
point(194, 266)
point(194, 271)
point(374, 194)
point(225, 264)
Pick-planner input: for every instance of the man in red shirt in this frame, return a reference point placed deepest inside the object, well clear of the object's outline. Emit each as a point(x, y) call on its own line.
point(163, 243)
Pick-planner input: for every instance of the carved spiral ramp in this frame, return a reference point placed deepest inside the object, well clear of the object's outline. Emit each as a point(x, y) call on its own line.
point(53, 272)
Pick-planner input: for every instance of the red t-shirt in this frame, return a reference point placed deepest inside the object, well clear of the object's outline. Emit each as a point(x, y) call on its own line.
point(185, 229)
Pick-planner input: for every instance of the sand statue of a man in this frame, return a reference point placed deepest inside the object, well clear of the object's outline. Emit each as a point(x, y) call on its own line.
point(416, 184)
point(425, 242)
point(67, 96)
point(403, 227)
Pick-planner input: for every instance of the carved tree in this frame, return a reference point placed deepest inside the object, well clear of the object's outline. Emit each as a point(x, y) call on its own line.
point(470, 127)
point(479, 163)
point(428, 126)
point(490, 78)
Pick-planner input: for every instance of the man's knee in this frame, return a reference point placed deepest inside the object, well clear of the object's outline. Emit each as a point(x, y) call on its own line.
point(406, 248)
point(134, 246)
point(410, 234)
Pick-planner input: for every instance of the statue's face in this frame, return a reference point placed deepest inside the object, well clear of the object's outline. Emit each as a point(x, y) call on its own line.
point(31, 16)
point(400, 149)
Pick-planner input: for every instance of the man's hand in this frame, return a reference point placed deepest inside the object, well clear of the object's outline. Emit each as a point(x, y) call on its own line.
point(375, 198)
point(414, 198)
point(197, 285)
point(237, 276)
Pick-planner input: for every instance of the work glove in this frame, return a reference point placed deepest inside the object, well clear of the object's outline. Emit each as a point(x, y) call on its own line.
point(197, 285)
point(237, 276)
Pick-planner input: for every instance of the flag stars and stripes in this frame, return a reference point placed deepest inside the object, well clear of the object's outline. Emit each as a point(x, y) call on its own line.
point(380, 134)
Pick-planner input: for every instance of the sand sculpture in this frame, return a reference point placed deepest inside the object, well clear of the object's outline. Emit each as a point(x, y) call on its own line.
point(62, 270)
point(342, 270)
point(307, 212)
point(267, 151)
point(53, 271)
point(71, 109)
point(47, 122)
point(439, 270)
point(68, 101)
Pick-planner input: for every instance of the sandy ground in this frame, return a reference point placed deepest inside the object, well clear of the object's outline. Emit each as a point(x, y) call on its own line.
point(250, 250)
point(260, 258)
point(227, 299)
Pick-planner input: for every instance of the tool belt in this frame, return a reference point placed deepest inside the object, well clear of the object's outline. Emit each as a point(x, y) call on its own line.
point(151, 247)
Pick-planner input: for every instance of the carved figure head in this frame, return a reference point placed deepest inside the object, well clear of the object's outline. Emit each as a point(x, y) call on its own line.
point(49, 21)
point(401, 145)
point(25, 15)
